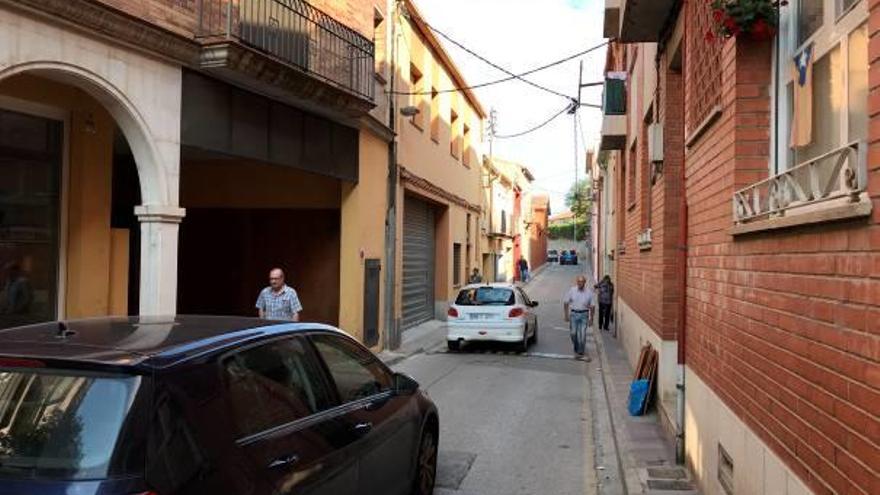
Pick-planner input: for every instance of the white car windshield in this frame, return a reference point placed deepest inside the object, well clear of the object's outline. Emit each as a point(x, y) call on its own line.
point(486, 296)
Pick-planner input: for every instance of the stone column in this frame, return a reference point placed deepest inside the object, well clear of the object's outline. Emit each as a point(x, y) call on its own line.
point(159, 232)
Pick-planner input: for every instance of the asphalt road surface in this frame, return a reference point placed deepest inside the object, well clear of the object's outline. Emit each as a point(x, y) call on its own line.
point(514, 423)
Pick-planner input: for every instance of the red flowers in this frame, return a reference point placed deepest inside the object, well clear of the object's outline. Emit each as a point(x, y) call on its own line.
point(756, 18)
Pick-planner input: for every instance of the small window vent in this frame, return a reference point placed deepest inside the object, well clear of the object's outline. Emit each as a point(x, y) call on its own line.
point(725, 470)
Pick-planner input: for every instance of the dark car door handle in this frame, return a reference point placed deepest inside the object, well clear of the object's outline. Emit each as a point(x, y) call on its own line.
point(284, 461)
point(362, 429)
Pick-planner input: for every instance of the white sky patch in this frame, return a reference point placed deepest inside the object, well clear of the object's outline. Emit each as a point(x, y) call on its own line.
point(521, 35)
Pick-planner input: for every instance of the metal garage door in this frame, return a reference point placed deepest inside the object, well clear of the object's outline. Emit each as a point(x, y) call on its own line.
point(418, 262)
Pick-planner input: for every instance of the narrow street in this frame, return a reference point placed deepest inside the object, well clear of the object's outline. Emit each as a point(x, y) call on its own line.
point(510, 423)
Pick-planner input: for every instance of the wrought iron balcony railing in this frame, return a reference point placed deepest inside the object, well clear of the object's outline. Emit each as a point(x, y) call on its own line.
point(296, 33)
point(839, 175)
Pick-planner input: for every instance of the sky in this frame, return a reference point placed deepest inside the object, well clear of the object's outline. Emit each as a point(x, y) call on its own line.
point(520, 35)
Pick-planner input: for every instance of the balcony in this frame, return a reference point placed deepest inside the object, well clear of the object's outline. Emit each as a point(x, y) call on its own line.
point(614, 114)
point(642, 20)
point(612, 19)
point(288, 49)
point(826, 188)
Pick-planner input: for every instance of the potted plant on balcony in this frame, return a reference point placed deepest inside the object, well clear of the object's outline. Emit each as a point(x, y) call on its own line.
point(757, 19)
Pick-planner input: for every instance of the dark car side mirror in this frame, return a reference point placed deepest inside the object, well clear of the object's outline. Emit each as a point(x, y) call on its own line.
point(405, 384)
point(534, 304)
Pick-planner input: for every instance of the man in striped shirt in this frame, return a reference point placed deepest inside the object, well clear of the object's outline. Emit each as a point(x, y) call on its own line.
point(278, 301)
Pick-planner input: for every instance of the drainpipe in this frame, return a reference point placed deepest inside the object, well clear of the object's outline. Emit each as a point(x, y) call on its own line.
point(392, 335)
point(682, 305)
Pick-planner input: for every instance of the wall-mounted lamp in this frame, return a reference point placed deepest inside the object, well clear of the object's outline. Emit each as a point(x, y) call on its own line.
point(409, 111)
point(89, 125)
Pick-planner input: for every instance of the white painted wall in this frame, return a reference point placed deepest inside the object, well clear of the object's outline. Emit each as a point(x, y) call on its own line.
point(708, 422)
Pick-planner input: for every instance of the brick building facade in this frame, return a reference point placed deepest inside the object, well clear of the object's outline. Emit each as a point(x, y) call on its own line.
point(781, 362)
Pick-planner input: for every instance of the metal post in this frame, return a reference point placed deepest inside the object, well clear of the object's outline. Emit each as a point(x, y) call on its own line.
point(392, 334)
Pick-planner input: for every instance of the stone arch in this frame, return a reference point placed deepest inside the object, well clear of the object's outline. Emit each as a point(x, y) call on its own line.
point(152, 174)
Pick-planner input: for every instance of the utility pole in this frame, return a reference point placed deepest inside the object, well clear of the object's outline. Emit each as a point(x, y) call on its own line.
point(577, 189)
point(392, 334)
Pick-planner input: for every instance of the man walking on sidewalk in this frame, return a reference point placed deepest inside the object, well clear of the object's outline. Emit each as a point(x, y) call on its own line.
point(578, 304)
point(605, 294)
point(523, 269)
point(278, 301)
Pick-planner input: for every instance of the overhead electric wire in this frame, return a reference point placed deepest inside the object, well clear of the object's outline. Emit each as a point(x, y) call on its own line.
point(535, 128)
point(506, 79)
point(502, 69)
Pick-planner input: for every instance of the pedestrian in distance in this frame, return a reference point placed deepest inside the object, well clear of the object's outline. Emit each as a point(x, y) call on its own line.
point(475, 277)
point(278, 301)
point(578, 307)
point(523, 269)
point(605, 295)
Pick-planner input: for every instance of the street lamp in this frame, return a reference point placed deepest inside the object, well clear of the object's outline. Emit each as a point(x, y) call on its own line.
point(409, 111)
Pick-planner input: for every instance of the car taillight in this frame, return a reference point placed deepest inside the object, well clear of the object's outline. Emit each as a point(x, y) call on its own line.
point(516, 313)
point(21, 363)
point(452, 313)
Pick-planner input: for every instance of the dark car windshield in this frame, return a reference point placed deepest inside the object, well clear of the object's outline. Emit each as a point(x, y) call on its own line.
point(58, 424)
point(486, 296)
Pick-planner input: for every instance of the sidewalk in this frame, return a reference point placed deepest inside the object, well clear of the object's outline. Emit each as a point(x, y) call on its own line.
point(645, 451)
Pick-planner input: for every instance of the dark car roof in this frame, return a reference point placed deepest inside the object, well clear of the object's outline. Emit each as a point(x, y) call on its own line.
point(145, 342)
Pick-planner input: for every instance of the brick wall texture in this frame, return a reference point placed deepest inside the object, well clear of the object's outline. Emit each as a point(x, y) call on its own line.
point(648, 279)
point(784, 326)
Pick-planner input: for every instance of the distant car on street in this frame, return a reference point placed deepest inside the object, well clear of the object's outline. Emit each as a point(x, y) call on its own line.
point(552, 256)
point(568, 257)
point(193, 405)
point(492, 312)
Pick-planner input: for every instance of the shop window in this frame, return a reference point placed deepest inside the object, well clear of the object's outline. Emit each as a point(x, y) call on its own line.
point(30, 181)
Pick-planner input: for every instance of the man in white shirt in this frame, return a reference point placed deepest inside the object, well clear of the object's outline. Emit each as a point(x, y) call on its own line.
point(578, 303)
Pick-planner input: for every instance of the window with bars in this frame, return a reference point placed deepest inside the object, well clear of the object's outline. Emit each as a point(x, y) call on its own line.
point(703, 80)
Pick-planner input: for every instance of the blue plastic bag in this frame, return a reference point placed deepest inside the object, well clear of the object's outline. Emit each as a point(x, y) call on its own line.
point(638, 393)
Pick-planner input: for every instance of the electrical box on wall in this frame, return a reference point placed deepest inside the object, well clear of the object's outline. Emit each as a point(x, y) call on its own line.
point(655, 142)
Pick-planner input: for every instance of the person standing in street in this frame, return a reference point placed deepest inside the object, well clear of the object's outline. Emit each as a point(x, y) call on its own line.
point(523, 269)
point(278, 301)
point(605, 295)
point(578, 307)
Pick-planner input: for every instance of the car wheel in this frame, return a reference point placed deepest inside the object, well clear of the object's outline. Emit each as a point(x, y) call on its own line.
point(524, 345)
point(453, 345)
point(426, 465)
point(535, 334)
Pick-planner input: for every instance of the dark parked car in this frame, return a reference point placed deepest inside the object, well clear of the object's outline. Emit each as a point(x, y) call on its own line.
point(553, 256)
point(568, 257)
point(199, 405)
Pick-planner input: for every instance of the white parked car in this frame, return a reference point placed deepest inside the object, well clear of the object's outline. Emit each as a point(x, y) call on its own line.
point(492, 312)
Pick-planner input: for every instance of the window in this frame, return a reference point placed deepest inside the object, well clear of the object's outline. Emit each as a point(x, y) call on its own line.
point(30, 178)
point(455, 139)
point(837, 35)
point(809, 18)
point(435, 115)
point(631, 177)
point(466, 157)
point(646, 179)
point(486, 296)
point(356, 373)
point(703, 80)
point(274, 384)
point(418, 100)
point(456, 264)
point(59, 424)
point(379, 41)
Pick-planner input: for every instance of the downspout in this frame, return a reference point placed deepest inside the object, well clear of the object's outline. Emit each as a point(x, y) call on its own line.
point(682, 291)
point(392, 337)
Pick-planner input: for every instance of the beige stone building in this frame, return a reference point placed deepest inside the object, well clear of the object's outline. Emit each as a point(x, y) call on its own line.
point(440, 156)
point(161, 156)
